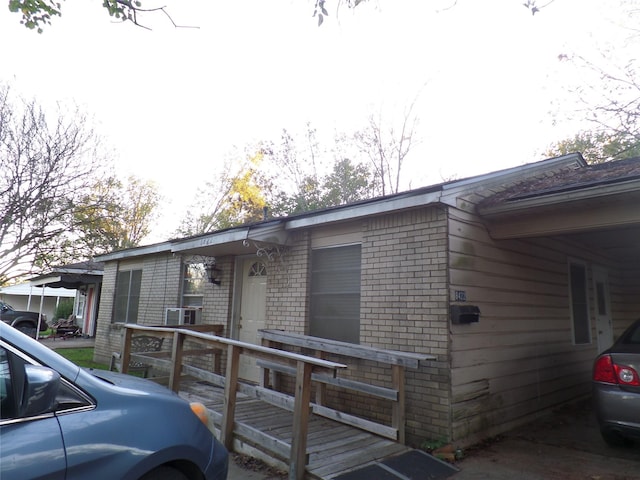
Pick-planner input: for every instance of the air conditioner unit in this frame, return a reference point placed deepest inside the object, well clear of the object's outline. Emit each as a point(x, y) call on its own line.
point(182, 316)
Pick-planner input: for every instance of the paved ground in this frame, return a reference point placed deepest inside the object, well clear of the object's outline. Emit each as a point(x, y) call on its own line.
point(565, 445)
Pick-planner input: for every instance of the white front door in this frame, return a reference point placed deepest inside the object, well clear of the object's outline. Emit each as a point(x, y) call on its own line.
point(604, 325)
point(252, 312)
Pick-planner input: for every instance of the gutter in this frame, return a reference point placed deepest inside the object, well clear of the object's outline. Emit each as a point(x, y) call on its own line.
point(135, 252)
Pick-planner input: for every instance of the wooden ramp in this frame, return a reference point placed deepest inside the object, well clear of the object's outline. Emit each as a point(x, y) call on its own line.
point(334, 449)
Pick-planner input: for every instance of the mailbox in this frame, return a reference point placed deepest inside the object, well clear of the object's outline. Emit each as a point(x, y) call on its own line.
point(462, 314)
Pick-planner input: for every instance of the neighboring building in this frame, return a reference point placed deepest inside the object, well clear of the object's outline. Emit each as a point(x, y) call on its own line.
point(26, 297)
point(86, 279)
point(542, 260)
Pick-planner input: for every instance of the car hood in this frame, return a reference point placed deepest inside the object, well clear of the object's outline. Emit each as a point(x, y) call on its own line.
point(129, 383)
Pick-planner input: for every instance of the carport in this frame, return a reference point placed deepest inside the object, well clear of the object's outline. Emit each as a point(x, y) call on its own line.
point(86, 279)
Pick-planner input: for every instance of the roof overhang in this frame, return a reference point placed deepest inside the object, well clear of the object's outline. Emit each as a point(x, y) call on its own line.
point(72, 281)
point(233, 241)
point(587, 209)
point(135, 252)
point(386, 205)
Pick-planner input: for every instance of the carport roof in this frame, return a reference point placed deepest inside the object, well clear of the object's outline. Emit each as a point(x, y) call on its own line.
point(72, 276)
point(589, 180)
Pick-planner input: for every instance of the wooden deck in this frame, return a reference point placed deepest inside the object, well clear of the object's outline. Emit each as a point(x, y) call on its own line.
point(332, 447)
point(312, 440)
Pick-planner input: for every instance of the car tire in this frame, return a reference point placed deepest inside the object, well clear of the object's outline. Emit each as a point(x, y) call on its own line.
point(164, 473)
point(614, 439)
point(27, 329)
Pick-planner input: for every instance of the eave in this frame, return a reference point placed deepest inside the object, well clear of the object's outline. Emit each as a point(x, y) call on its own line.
point(581, 210)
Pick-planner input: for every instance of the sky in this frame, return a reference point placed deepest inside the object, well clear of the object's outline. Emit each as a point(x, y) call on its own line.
point(490, 91)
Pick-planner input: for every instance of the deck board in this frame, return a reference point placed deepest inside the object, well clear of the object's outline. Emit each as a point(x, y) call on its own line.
point(333, 448)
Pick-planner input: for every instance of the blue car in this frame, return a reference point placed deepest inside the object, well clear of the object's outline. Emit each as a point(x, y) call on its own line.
point(59, 421)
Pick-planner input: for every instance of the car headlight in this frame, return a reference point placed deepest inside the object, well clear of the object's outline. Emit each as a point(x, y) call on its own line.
point(203, 414)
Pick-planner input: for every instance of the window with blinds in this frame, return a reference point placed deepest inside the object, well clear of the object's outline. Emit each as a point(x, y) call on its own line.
point(335, 293)
point(127, 296)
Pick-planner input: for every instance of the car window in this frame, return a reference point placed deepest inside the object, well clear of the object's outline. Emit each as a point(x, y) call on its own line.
point(634, 336)
point(7, 404)
point(68, 396)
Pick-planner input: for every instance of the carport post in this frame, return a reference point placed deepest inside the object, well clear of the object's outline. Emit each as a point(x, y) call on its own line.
point(40, 312)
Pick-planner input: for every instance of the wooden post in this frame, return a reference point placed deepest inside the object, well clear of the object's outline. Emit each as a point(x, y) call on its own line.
point(230, 389)
point(126, 350)
point(217, 361)
point(265, 381)
point(298, 459)
point(321, 388)
point(398, 409)
point(176, 359)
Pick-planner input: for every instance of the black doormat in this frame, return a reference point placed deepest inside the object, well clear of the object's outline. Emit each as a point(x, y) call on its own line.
point(413, 465)
point(419, 465)
point(371, 472)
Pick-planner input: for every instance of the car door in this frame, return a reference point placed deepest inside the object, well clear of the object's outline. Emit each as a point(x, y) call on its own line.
point(32, 447)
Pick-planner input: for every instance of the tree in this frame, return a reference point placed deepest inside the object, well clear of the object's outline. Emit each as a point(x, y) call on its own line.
point(608, 94)
point(597, 147)
point(347, 183)
point(45, 169)
point(297, 186)
point(112, 216)
point(37, 14)
point(55, 206)
point(387, 148)
point(235, 196)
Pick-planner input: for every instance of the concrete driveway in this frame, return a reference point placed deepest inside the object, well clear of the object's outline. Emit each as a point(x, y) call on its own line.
point(565, 445)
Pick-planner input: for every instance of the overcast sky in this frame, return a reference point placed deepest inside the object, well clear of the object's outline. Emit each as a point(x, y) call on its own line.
point(172, 102)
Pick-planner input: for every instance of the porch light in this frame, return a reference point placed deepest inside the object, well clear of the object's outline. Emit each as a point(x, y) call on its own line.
point(213, 272)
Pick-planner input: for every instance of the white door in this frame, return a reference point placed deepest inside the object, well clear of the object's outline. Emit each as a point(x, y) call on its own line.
point(252, 312)
point(604, 325)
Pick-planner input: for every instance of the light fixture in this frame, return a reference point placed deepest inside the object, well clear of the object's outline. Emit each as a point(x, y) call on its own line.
point(213, 272)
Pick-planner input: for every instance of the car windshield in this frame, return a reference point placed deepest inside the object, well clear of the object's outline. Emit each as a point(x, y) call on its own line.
point(633, 337)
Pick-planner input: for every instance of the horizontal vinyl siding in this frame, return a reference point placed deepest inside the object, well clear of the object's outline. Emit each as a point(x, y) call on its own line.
point(519, 358)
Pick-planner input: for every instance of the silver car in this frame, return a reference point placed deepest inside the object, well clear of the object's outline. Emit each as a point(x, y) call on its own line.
point(59, 421)
point(616, 389)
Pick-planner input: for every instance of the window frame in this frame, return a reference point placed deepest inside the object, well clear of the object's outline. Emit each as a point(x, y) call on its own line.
point(184, 281)
point(130, 309)
point(579, 306)
point(315, 329)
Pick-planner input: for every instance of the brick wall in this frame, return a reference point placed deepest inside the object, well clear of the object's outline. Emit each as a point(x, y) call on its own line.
point(404, 306)
point(288, 285)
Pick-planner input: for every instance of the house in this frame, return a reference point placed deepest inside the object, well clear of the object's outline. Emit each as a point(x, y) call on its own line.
point(514, 280)
point(85, 278)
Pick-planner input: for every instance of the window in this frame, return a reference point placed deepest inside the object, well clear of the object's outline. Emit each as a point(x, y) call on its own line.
point(335, 293)
point(193, 282)
point(258, 269)
point(128, 284)
point(80, 304)
point(6, 392)
point(14, 380)
point(579, 303)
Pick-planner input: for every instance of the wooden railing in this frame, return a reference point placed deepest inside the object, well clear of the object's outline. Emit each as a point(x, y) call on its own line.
point(304, 367)
point(321, 348)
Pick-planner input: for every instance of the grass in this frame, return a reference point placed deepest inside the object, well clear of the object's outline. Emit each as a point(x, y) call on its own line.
point(82, 357)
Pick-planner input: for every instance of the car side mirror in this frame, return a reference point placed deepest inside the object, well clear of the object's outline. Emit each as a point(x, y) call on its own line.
point(41, 390)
